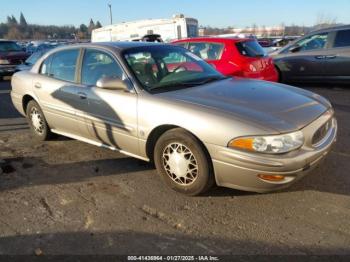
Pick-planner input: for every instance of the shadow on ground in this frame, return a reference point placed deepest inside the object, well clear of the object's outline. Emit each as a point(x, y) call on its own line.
point(138, 243)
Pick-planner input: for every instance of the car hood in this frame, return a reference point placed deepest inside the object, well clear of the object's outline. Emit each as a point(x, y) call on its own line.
point(270, 105)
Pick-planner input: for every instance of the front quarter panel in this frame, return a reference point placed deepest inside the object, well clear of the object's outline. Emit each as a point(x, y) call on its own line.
point(208, 125)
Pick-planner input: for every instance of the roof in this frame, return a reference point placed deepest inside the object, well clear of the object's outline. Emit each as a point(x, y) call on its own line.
point(117, 46)
point(213, 39)
point(333, 28)
point(125, 45)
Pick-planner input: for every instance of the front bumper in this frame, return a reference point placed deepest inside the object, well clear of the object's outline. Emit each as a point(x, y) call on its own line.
point(7, 70)
point(240, 170)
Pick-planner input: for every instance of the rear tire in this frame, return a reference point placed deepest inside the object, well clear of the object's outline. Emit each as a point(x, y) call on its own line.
point(37, 121)
point(183, 163)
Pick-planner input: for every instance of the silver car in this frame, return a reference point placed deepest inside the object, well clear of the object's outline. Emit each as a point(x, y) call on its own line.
point(162, 103)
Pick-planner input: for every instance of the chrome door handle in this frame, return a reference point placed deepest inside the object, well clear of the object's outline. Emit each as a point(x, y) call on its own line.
point(37, 85)
point(320, 57)
point(330, 56)
point(82, 95)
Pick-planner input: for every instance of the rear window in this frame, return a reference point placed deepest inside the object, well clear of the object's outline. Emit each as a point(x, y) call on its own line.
point(342, 39)
point(250, 49)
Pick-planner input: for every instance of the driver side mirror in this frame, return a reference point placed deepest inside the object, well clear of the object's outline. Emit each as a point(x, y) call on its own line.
point(112, 83)
point(295, 48)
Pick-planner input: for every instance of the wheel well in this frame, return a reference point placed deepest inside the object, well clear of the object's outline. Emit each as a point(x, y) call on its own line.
point(160, 130)
point(154, 136)
point(26, 99)
point(280, 78)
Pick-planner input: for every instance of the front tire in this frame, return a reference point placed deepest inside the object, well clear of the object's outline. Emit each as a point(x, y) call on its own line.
point(183, 163)
point(37, 121)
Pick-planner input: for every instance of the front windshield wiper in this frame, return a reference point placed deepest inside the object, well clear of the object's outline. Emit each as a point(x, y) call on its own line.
point(172, 84)
point(189, 83)
point(209, 80)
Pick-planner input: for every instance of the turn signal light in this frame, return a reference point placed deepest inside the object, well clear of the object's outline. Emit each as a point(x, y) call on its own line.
point(242, 143)
point(273, 178)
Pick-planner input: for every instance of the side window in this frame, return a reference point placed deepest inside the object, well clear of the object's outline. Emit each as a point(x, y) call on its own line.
point(63, 65)
point(207, 51)
point(342, 39)
point(97, 64)
point(197, 49)
point(214, 51)
point(314, 42)
point(45, 66)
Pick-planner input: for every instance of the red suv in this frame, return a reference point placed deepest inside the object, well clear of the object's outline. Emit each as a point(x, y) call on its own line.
point(233, 56)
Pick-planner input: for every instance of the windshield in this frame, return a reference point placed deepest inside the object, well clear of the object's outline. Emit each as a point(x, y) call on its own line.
point(162, 67)
point(9, 47)
point(250, 49)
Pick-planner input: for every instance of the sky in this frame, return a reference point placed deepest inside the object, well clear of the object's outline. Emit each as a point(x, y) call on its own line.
point(218, 13)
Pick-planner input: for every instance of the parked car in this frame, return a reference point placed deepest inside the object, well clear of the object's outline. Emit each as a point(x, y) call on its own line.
point(233, 56)
point(11, 55)
point(161, 103)
point(321, 56)
point(31, 60)
point(37, 46)
point(272, 44)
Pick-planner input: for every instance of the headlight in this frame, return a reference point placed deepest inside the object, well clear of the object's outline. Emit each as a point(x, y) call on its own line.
point(4, 62)
point(269, 144)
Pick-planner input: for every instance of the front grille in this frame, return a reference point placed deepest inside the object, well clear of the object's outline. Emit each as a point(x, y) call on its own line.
point(321, 132)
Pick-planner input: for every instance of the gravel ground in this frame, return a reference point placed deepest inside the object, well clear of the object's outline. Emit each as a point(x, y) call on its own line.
point(67, 197)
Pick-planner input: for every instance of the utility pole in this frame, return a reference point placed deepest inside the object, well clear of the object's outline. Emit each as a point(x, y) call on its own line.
point(110, 13)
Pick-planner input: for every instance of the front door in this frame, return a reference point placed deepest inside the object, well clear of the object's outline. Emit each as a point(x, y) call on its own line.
point(337, 58)
point(110, 115)
point(306, 59)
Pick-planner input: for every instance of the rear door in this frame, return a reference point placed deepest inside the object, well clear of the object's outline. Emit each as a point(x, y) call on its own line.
point(307, 61)
point(337, 58)
point(55, 87)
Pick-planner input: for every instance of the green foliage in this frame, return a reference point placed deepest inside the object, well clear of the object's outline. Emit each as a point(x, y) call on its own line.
point(22, 20)
point(22, 30)
point(98, 24)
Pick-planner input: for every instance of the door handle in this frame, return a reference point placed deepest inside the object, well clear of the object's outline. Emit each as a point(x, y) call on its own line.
point(320, 57)
point(82, 95)
point(330, 56)
point(37, 85)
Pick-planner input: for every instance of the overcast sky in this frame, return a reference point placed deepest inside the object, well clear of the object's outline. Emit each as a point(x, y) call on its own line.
point(219, 13)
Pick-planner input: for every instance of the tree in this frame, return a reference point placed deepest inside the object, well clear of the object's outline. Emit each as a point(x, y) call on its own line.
point(22, 21)
point(98, 24)
point(14, 20)
point(14, 34)
point(323, 21)
point(83, 28)
point(11, 20)
point(91, 26)
point(254, 29)
point(83, 32)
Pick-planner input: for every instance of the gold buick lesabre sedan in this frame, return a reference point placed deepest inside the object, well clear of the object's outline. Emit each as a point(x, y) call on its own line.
point(162, 103)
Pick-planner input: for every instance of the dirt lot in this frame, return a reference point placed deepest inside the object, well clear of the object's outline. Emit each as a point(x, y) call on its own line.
point(67, 197)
